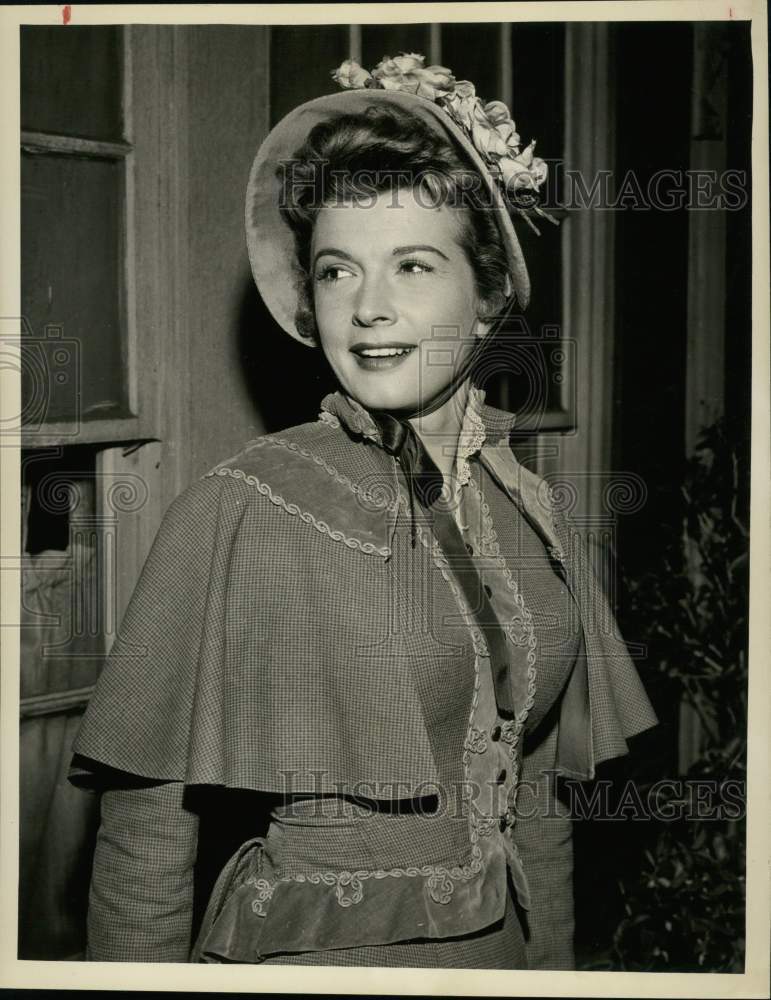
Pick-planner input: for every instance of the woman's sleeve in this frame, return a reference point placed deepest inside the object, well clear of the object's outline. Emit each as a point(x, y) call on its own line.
point(156, 708)
point(604, 702)
point(141, 896)
point(543, 834)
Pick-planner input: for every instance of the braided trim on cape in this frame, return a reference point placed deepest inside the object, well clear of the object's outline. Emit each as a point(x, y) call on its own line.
point(291, 508)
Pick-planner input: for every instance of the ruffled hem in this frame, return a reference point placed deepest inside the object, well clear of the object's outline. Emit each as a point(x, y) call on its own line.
point(253, 914)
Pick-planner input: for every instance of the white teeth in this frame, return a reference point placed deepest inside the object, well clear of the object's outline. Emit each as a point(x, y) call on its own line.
point(384, 352)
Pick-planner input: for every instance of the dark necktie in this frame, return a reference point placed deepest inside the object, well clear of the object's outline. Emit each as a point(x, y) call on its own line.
point(424, 481)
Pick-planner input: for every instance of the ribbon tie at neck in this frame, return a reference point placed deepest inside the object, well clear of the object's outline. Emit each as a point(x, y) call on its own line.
point(424, 479)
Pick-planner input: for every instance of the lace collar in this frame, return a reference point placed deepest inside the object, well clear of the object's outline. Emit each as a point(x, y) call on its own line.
point(339, 408)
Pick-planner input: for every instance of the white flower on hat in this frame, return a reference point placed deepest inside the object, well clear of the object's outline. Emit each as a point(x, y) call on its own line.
point(350, 75)
point(434, 82)
point(489, 126)
point(501, 119)
point(488, 138)
point(461, 103)
point(497, 112)
point(524, 171)
point(406, 72)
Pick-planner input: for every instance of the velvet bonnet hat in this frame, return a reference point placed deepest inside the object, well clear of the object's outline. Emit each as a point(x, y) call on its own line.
point(482, 133)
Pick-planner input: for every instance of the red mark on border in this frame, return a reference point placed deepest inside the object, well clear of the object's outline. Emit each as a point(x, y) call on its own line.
point(66, 13)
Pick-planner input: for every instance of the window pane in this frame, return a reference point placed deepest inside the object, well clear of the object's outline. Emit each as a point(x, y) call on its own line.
point(71, 211)
point(472, 52)
point(301, 62)
point(62, 612)
point(538, 54)
point(378, 40)
point(71, 80)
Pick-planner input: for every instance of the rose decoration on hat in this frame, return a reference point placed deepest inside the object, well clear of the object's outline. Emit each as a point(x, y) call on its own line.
point(489, 126)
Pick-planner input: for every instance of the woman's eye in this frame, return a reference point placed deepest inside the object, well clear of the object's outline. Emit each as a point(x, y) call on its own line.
point(414, 267)
point(332, 273)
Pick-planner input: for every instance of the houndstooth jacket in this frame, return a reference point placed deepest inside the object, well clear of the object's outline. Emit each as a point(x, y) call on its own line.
point(266, 647)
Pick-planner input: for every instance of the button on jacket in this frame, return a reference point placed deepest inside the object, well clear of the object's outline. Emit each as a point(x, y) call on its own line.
point(286, 637)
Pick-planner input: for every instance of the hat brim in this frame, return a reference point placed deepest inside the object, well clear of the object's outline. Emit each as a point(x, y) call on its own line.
point(270, 242)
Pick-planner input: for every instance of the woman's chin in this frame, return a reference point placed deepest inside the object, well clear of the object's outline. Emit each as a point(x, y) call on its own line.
point(382, 396)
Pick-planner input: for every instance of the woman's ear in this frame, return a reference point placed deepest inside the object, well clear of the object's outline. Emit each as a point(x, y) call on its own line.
point(482, 327)
point(493, 305)
point(489, 309)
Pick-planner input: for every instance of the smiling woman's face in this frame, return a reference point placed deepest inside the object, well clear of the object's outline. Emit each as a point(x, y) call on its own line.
point(395, 298)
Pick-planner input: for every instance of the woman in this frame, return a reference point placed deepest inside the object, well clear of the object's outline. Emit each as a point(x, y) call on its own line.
point(374, 627)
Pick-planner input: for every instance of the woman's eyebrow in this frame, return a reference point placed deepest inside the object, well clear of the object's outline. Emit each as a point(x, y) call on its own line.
point(412, 248)
point(333, 251)
point(419, 246)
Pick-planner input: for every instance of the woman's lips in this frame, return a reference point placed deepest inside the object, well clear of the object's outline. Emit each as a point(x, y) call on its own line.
point(381, 357)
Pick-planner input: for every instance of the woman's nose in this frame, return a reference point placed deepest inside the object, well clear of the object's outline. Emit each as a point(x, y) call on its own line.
point(373, 304)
